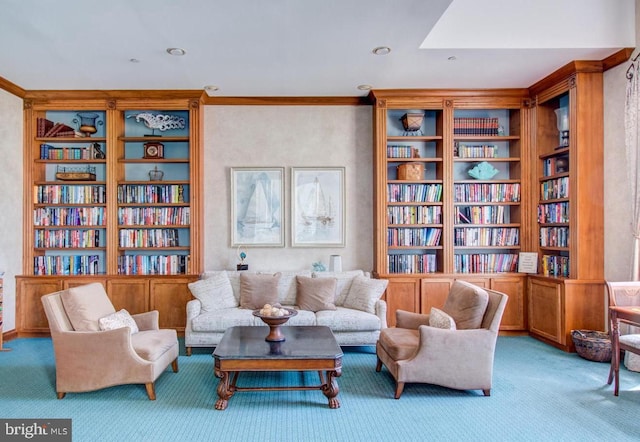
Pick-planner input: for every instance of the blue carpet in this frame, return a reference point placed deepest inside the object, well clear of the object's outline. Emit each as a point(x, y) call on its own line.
point(539, 393)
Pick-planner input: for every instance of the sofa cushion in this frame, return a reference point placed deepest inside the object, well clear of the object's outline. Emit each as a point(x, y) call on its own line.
point(151, 344)
point(399, 343)
point(364, 293)
point(119, 319)
point(343, 282)
point(316, 294)
point(304, 317)
point(466, 304)
point(348, 320)
point(85, 305)
point(256, 290)
point(214, 293)
point(287, 286)
point(220, 320)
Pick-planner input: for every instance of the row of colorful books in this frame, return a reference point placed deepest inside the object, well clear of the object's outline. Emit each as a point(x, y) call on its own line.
point(149, 238)
point(487, 193)
point(47, 129)
point(423, 236)
point(152, 264)
point(407, 193)
point(414, 215)
point(475, 150)
point(485, 262)
point(154, 216)
point(480, 215)
point(413, 263)
point(476, 126)
point(402, 151)
point(66, 265)
point(553, 212)
point(49, 152)
point(554, 237)
point(67, 238)
point(69, 194)
point(151, 193)
point(487, 236)
point(554, 189)
point(69, 216)
point(555, 265)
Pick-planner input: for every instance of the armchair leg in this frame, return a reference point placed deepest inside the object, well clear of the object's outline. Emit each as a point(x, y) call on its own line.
point(151, 390)
point(399, 388)
point(379, 365)
point(188, 351)
point(174, 365)
point(61, 394)
point(487, 392)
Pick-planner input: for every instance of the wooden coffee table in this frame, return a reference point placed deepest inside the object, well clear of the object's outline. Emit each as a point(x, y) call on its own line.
point(305, 348)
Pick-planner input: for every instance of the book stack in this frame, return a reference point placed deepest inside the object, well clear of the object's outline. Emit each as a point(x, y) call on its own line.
point(475, 126)
point(48, 129)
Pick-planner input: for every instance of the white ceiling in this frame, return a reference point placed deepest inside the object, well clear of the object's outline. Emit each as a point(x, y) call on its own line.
point(303, 47)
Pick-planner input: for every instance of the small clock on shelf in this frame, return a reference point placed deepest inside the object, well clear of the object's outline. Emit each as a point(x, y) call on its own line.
point(153, 150)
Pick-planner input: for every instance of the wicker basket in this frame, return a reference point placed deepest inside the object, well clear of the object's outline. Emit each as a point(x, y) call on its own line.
point(411, 171)
point(592, 345)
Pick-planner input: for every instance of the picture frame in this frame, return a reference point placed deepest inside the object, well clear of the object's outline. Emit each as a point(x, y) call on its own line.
point(257, 206)
point(318, 207)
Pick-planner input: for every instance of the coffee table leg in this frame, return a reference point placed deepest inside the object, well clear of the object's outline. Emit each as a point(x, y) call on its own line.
point(224, 392)
point(331, 390)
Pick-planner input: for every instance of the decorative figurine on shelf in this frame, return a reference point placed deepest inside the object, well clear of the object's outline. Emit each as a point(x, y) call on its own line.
point(160, 122)
point(412, 123)
point(483, 171)
point(98, 153)
point(318, 267)
point(242, 256)
point(87, 123)
point(156, 174)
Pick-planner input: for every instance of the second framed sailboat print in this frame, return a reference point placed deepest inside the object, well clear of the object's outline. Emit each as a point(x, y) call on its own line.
point(257, 206)
point(317, 207)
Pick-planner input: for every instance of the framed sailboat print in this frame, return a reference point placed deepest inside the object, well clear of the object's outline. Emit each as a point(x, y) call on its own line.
point(257, 206)
point(317, 207)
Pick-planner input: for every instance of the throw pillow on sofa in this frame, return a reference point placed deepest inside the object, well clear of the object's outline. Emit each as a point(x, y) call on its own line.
point(343, 283)
point(118, 319)
point(256, 290)
point(315, 294)
point(214, 292)
point(364, 293)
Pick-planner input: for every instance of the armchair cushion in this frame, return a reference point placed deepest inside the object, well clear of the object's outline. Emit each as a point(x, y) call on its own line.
point(119, 319)
point(256, 290)
point(214, 293)
point(400, 343)
point(85, 305)
point(466, 304)
point(439, 319)
point(152, 344)
point(315, 294)
point(364, 293)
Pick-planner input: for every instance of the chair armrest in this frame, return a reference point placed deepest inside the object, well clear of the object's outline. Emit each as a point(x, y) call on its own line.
point(86, 350)
point(471, 349)
point(405, 319)
point(148, 320)
point(194, 309)
point(381, 312)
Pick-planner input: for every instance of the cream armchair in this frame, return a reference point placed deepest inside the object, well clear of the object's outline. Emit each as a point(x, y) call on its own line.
point(460, 358)
point(88, 358)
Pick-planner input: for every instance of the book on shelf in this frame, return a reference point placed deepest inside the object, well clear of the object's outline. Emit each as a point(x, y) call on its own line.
point(43, 126)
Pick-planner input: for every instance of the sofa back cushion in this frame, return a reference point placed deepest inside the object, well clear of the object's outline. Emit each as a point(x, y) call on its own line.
point(256, 290)
point(214, 292)
point(343, 282)
point(315, 294)
point(466, 304)
point(85, 305)
point(364, 293)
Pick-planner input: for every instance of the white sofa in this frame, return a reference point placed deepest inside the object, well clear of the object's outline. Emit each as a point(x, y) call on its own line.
point(214, 310)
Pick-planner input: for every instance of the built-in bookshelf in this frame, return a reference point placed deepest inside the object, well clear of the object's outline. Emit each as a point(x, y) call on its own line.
point(114, 184)
point(69, 193)
point(414, 186)
point(153, 192)
point(486, 190)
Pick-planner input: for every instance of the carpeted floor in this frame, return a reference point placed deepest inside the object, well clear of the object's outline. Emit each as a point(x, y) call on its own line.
point(539, 393)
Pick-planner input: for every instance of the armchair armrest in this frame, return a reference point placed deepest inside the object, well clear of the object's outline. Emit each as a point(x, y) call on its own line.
point(381, 312)
point(405, 319)
point(148, 320)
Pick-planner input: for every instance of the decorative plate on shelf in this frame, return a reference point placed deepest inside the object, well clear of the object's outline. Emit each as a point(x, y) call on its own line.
point(483, 171)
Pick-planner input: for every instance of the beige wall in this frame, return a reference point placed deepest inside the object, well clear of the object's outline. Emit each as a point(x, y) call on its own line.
point(10, 200)
point(288, 136)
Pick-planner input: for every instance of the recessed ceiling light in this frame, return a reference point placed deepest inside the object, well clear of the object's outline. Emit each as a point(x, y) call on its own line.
point(452, 58)
point(176, 51)
point(381, 50)
point(210, 89)
point(134, 60)
point(365, 87)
